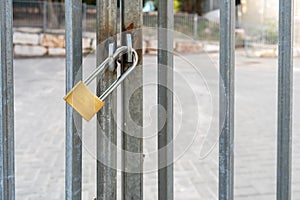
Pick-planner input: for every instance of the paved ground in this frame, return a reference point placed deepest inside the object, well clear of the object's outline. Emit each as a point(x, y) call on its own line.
point(40, 132)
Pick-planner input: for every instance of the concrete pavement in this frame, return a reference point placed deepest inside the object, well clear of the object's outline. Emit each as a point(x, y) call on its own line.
point(40, 132)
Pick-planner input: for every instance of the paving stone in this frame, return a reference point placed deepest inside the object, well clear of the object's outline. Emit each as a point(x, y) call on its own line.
point(40, 133)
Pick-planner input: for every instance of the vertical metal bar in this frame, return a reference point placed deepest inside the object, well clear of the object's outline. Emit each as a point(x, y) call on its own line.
point(7, 176)
point(73, 9)
point(45, 17)
point(106, 126)
point(285, 100)
point(132, 95)
point(165, 99)
point(226, 115)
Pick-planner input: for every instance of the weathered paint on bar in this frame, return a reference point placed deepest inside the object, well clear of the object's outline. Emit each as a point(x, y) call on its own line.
point(165, 99)
point(285, 99)
point(73, 119)
point(106, 124)
point(226, 115)
point(7, 175)
point(132, 94)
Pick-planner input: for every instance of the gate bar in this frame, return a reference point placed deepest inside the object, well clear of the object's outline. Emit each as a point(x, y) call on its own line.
point(226, 115)
point(285, 99)
point(165, 99)
point(73, 12)
point(106, 124)
point(7, 174)
point(132, 98)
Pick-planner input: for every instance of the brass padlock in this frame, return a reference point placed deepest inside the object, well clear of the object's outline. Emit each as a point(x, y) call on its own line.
point(84, 101)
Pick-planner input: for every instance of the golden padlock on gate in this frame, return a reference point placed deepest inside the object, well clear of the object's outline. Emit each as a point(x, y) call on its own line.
point(84, 101)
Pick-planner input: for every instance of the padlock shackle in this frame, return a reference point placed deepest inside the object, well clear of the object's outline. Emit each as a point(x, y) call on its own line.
point(121, 78)
point(104, 65)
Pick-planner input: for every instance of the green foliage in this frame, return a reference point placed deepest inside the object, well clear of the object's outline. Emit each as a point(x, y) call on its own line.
point(177, 5)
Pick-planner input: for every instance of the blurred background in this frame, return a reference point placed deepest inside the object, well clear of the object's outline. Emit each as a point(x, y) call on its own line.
point(256, 28)
point(39, 64)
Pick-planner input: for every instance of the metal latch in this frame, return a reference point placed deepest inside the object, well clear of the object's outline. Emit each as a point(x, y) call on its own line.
point(83, 100)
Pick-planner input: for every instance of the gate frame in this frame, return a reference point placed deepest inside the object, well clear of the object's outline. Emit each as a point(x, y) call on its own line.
point(133, 182)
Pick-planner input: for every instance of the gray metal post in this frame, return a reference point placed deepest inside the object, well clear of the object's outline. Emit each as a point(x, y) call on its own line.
point(226, 142)
point(106, 126)
point(73, 119)
point(7, 175)
point(285, 100)
point(132, 94)
point(165, 99)
point(45, 16)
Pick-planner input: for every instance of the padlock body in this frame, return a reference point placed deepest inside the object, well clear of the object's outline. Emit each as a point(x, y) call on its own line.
point(84, 101)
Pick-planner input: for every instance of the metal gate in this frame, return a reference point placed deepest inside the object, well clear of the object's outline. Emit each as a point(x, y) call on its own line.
point(131, 22)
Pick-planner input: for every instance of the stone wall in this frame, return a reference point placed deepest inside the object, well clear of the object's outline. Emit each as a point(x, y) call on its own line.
point(31, 42)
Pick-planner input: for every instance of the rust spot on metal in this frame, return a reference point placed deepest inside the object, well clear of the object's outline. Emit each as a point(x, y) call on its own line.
point(130, 27)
